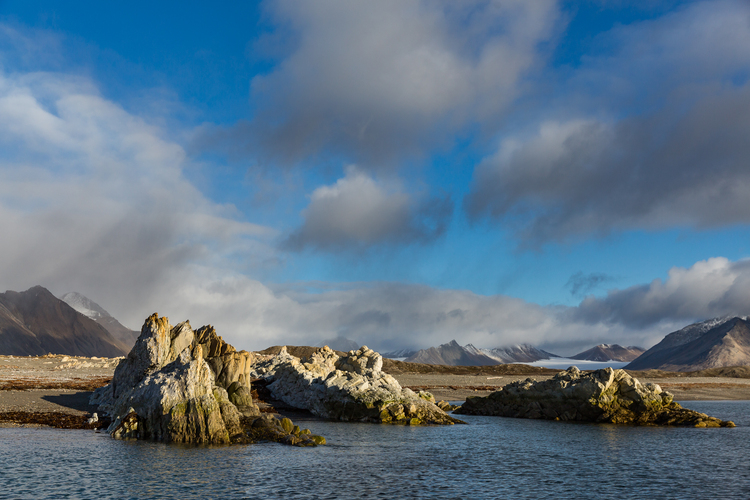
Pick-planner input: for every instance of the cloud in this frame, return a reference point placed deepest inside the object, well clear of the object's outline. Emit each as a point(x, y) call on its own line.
point(711, 288)
point(94, 199)
point(357, 212)
point(673, 151)
point(378, 81)
point(581, 284)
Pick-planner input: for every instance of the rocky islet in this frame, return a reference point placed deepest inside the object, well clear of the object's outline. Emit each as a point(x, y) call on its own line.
point(183, 386)
point(352, 387)
point(606, 396)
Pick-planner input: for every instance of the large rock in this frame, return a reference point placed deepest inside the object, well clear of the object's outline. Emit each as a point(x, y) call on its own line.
point(348, 388)
point(181, 386)
point(601, 396)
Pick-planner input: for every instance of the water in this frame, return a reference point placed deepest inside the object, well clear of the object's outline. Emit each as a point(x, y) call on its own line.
point(491, 457)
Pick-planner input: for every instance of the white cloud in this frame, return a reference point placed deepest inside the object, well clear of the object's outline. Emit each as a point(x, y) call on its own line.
point(94, 199)
point(359, 212)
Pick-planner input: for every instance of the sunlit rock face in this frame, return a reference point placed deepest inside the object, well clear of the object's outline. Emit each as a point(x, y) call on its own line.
point(606, 395)
point(177, 385)
point(347, 388)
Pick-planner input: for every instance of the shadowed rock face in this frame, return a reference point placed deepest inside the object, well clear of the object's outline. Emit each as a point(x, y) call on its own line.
point(35, 322)
point(711, 344)
point(606, 395)
point(352, 387)
point(181, 386)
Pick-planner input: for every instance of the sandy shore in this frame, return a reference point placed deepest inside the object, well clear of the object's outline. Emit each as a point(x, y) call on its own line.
point(47, 384)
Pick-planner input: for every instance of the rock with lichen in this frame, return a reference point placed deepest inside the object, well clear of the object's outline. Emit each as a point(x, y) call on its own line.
point(183, 386)
point(347, 388)
point(606, 395)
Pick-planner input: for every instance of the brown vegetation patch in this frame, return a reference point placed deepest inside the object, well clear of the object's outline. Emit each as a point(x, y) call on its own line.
point(80, 384)
point(724, 371)
point(702, 385)
point(417, 388)
point(52, 419)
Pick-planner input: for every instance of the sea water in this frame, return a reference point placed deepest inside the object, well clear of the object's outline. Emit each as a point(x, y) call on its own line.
point(491, 457)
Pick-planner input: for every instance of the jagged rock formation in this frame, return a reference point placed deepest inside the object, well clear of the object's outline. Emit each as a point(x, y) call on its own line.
point(348, 388)
point(35, 322)
point(710, 344)
point(610, 352)
point(181, 386)
point(606, 395)
point(92, 310)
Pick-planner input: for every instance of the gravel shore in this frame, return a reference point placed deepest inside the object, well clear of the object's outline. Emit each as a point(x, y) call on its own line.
point(56, 383)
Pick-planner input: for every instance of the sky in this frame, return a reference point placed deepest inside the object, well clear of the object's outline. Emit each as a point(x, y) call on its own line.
point(401, 173)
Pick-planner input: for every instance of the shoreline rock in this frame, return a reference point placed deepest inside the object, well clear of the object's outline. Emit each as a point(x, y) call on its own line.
point(606, 396)
point(347, 388)
point(182, 386)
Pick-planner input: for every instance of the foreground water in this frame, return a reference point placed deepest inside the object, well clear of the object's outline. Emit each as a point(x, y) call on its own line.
point(490, 458)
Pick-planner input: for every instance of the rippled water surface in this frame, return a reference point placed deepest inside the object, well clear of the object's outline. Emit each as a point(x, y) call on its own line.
point(491, 457)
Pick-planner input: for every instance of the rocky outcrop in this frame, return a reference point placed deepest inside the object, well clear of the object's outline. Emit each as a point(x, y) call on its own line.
point(605, 395)
point(347, 388)
point(181, 386)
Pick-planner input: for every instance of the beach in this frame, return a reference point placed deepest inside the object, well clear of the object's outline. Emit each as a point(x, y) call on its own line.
point(57, 384)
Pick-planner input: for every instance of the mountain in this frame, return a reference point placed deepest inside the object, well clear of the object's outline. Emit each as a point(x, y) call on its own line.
point(709, 344)
point(452, 354)
point(36, 322)
point(521, 353)
point(610, 352)
point(89, 308)
point(340, 344)
point(400, 354)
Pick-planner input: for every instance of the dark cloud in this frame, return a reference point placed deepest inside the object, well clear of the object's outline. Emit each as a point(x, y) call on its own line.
point(376, 82)
point(357, 212)
point(581, 284)
point(679, 159)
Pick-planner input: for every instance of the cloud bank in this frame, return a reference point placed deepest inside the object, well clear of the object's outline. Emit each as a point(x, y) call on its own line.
point(678, 156)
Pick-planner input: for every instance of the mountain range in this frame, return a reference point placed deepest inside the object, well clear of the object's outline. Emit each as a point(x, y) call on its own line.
point(710, 344)
point(456, 355)
point(35, 322)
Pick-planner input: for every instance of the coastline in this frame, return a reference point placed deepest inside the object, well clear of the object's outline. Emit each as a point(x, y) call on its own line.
point(46, 388)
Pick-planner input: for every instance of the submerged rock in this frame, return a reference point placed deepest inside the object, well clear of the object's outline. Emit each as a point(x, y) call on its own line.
point(347, 388)
point(181, 386)
point(606, 395)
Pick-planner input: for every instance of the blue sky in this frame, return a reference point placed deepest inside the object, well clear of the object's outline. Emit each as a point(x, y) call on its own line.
point(400, 172)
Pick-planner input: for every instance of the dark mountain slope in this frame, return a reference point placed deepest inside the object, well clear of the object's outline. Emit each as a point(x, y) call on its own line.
point(35, 322)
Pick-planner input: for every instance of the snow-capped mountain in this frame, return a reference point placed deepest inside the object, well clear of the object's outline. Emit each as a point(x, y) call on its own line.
point(91, 309)
point(709, 344)
point(520, 353)
point(454, 354)
point(400, 354)
point(36, 322)
point(610, 352)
